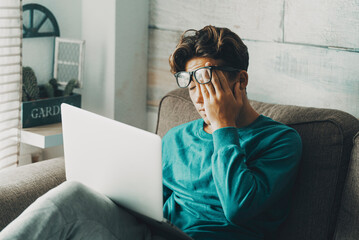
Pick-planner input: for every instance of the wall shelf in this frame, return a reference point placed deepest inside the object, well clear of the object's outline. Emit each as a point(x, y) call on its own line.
point(43, 136)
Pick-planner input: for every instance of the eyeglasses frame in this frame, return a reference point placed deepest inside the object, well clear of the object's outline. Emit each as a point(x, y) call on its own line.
point(191, 74)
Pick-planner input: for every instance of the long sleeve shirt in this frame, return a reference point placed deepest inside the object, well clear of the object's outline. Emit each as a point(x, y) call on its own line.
point(233, 184)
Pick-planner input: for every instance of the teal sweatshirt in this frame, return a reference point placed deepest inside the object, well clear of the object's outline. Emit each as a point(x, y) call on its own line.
point(233, 184)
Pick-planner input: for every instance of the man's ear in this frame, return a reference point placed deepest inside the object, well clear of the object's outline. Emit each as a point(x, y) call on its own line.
point(243, 79)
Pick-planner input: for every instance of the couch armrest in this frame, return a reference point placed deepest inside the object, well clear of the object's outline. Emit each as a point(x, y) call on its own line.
point(348, 220)
point(19, 187)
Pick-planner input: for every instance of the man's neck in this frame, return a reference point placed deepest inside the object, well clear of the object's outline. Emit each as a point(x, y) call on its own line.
point(247, 116)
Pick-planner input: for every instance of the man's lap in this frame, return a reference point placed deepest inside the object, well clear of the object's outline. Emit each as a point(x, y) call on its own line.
point(73, 211)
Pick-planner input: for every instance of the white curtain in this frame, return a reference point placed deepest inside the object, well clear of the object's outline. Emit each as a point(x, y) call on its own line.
point(10, 81)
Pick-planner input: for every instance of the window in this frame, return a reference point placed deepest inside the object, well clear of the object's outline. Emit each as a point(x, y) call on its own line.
point(10, 81)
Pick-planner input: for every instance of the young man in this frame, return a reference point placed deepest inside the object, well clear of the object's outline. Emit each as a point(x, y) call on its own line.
point(227, 175)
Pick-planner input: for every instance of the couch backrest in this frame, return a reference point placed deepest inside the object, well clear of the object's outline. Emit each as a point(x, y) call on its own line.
point(348, 220)
point(327, 143)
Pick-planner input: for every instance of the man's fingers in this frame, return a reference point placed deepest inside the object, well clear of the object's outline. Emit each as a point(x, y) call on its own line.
point(210, 89)
point(207, 74)
point(216, 81)
point(204, 91)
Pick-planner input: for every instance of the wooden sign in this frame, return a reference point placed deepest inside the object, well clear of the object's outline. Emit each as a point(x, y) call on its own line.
point(46, 111)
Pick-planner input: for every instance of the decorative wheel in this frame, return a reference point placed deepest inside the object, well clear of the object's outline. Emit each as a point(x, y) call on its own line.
point(38, 21)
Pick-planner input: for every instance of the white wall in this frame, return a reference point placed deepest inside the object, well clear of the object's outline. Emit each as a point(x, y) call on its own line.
point(98, 30)
point(38, 52)
point(131, 62)
point(115, 79)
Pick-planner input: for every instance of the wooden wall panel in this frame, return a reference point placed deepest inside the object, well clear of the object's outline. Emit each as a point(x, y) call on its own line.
point(160, 79)
point(322, 22)
point(302, 52)
point(278, 73)
point(250, 19)
point(303, 75)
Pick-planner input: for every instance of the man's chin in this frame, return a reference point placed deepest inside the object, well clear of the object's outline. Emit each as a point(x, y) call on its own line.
point(204, 117)
point(206, 121)
point(207, 125)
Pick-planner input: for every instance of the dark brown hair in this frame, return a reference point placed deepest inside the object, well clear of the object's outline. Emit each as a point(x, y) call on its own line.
point(212, 42)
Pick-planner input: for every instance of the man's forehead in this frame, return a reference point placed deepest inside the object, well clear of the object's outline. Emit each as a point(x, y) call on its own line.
point(198, 62)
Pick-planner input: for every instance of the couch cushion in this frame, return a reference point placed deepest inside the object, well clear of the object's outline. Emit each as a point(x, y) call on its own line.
point(327, 142)
point(21, 186)
point(175, 108)
point(348, 221)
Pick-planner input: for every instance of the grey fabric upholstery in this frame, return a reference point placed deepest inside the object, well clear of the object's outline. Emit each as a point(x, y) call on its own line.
point(327, 143)
point(21, 186)
point(348, 220)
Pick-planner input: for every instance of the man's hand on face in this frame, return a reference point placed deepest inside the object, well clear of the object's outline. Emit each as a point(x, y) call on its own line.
point(222, 106)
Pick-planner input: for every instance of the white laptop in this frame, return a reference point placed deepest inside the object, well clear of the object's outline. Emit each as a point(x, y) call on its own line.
point(117, 160)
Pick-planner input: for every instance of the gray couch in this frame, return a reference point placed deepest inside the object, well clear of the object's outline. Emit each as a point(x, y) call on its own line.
point(326, 194)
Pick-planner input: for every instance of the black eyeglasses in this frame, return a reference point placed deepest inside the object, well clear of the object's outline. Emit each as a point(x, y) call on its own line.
point(202, 75)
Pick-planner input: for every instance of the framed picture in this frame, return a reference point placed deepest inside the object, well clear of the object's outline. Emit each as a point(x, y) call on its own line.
point(68, 60)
